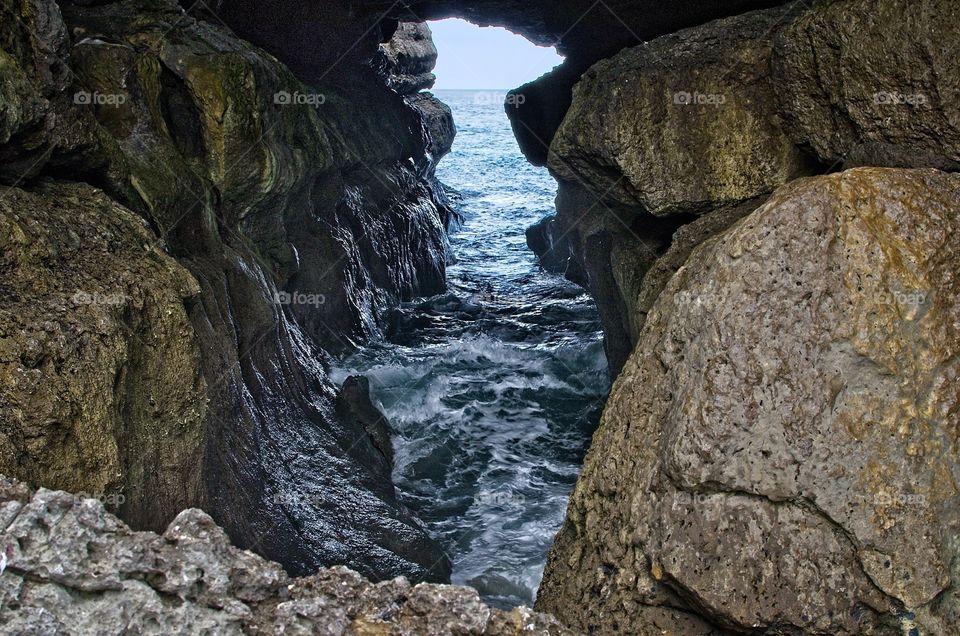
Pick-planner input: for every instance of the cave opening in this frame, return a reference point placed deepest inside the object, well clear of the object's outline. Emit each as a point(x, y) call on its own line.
point(493, 388)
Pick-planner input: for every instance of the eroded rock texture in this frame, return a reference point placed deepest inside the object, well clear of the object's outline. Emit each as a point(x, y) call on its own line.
point(780, 451)
point(874, 82)
point(101, 388)
point(69, 567)
point(298, 215)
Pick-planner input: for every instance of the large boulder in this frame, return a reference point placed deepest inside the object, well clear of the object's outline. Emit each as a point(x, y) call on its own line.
point(873, 82)
point(683, 124)
point(69, 567)
point(780, 452)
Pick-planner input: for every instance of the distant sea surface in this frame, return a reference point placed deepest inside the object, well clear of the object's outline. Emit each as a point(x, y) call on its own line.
point(493, 389)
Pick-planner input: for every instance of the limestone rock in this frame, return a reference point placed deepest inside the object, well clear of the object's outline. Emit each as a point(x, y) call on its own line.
point(682, 124)
point(780, 451)
point(873, 82)
point(101, 389)
point(72, 568)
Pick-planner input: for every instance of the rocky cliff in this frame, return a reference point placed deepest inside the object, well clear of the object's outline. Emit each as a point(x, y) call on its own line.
point(166, 323)
point(761, 196)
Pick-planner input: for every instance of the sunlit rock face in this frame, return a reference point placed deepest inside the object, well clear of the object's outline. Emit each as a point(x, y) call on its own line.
point(297, 216)
point(780, 451)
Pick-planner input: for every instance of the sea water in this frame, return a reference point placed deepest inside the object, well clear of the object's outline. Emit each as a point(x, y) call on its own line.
point(493, 389)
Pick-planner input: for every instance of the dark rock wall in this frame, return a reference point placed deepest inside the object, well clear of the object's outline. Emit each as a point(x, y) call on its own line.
point(298, 213)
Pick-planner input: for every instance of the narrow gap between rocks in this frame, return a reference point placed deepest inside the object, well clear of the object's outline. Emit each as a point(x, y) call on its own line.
point(494, 388)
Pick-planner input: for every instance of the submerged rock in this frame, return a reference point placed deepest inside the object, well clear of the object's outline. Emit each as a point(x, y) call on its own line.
point(779, 453)
point(73, 568)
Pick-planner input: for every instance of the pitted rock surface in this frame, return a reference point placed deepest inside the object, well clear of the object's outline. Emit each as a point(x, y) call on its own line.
point(780, 452)
point(69, 567)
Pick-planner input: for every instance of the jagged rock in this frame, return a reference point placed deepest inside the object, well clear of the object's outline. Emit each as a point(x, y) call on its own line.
point(72, 568)
point(873, 82)
point(683, 124)
point(356, 408)
point(101, 389)
point(438, 119)
point(409, 58)
point(779, 453)
point(550, 245)
point(40, 122)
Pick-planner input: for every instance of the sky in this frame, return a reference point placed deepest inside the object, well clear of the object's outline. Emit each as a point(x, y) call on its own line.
point(488, 58)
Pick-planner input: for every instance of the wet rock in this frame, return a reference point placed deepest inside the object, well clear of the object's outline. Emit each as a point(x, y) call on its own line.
point(683, 124)
point(101, 389)
point(356, 408)
point(778, 452)
point(549, 244)
point(74, 568)
point(438, 119)
point(409, 58)
point(302, 214)
point(865, 82)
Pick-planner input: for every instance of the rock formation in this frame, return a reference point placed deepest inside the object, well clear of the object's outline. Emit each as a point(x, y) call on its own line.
point(759, 195)
point(779, 451)
point(182, 363)
point(777, 454)
point(68, 566)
